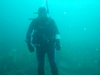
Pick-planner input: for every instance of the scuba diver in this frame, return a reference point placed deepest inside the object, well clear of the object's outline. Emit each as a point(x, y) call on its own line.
point(44, 35)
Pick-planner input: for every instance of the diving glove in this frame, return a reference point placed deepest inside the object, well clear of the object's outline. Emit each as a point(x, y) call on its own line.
point(57, 45)
point(30, 47)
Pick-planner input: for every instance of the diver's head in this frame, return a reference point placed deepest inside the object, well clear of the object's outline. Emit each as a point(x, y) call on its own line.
point(42, 13)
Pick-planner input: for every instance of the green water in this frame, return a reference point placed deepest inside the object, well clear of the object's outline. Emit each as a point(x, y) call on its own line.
point(78, 22)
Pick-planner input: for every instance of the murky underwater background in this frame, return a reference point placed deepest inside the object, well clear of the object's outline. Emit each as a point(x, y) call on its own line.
point(78, 22)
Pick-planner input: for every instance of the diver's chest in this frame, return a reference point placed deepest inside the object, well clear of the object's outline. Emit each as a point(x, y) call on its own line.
point(44, 27)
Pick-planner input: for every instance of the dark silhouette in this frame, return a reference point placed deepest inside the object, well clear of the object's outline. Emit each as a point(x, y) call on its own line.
point(45, 38)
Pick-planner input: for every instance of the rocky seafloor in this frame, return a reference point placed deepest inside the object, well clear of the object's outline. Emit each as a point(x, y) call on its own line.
point(18, 63)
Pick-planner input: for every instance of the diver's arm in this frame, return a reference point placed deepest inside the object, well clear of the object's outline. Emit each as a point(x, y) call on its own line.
point(57, 36)
point(29, 32)
point(56, 31)
point(28, 36)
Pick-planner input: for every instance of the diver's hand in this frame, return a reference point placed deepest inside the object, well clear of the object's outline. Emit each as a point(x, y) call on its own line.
point(58, 47)
point(57, 44)
point(30, 47)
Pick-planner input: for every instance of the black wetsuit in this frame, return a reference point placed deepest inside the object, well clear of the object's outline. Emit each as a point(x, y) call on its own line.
point(44, 39)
